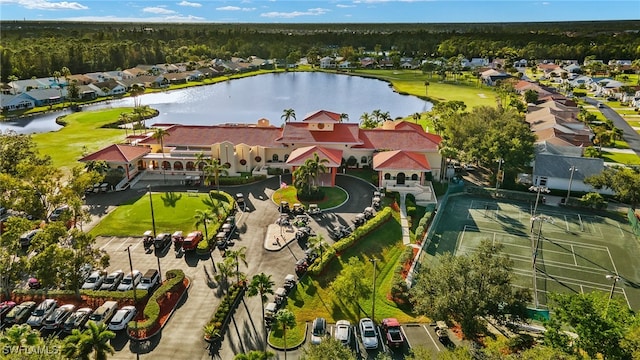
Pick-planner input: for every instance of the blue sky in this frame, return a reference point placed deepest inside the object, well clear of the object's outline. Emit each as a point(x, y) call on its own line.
point(327, 11)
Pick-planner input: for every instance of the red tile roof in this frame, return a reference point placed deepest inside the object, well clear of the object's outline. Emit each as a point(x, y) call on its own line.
point(399, 140)
point(192, 135)
point(299, 133)
point(322, 116)
point(117, 153)
point(299, 156)
point(400, 160)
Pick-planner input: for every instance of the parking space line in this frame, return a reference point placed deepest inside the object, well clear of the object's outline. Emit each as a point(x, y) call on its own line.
point(136, 245)
point(108, 242)
point(404, 334)
point(121, 244)
point(431, 337)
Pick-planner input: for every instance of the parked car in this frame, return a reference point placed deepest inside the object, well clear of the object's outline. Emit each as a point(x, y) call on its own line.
point(162, 241)
point(342, 332)
point(104, 313)
point(368, 334)
point(5, 308)
point(112, 280)
point(130, 281)
point(20, 313)
point(192, 240)
point(318, 330)
point(94, 281)
point(34, 284)
point(56, 319)
point(122, 318)
point(240, 201)
point(149, 280)
point(442, 331)
point(394, 337)
point(59, 212)
point(77, 320)
point(41, 312)
point(25, 239)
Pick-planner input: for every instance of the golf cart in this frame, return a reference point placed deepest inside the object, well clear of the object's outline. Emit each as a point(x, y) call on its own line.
point(314, 210)
point(147, 240)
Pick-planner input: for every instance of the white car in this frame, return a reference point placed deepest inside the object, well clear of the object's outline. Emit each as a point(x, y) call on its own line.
point(122, 317)
point(56, 319)
point(342, 332)
point(368, 334)
point(130, 281)
point(318, 330)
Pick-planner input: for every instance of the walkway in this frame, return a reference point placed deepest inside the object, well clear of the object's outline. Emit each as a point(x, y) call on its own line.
point(404, 223)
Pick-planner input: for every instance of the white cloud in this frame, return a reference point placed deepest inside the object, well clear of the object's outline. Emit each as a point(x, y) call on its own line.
point(293, 14)
point(191, 4)
point(545, 3)
point(234, 8)
point(345, 6)
point(164, 19)
point(47, 5)
point(161, 10)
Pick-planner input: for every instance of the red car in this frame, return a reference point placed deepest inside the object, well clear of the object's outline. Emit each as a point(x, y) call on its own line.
point(394, 336)
point(192, 240)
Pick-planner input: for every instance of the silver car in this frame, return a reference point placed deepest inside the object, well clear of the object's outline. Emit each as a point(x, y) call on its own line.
point(368, 334)
point(342, 332)
point(41, 312)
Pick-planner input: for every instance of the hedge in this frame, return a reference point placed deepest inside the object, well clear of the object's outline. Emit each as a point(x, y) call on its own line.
point(239, 180)
point(92, 298)
point(423, 224)
point(226, 306)
point(345, 243)
point(175, 278)
point(223, 197)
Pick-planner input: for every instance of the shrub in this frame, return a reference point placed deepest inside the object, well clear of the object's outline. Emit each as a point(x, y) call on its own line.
point(239, 180)
point(203, 246)
point(226, 307)
point(174, 282)
point(274, 171)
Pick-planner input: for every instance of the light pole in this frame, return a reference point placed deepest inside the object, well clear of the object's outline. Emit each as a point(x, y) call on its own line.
point(373, 296)
point(615, 279)
point(500, 162)
point(534, 253)
point(538, 189)
point(153, 224)
point(572, 169)
point(135, 297)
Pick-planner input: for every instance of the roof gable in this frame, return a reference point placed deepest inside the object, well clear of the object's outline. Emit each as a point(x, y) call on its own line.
point(400, 160)
point(117, 153)
point(322, 116)
point(299, 156)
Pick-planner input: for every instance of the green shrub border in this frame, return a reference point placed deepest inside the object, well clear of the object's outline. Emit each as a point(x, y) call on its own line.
point(423, 225)
point(175, 278)
point(93, 298)
point(239, 180)
point(221, 316)
point(381, 217)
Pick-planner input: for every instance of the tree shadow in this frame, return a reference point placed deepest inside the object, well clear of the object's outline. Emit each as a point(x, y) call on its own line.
point(170, 199)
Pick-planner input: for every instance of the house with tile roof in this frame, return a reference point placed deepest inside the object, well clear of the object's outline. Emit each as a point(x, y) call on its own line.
point(402, 152)
point(120, 156)
point(558, 124)
point(563, 172)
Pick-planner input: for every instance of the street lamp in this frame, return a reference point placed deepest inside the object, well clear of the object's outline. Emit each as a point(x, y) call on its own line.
point(572, 169)
point(153, 224)
point(538, 189)
point(373, 296)
point(615, 279)
point(534, 252)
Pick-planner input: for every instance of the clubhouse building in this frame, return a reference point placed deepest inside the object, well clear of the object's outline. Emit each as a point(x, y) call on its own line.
point(402, 153)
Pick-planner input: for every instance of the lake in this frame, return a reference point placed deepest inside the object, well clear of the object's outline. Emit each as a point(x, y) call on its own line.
point(248, 99)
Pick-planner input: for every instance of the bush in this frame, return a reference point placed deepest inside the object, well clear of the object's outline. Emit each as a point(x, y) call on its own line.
point(315, 195)
point(226, 307)
point(174, 282)
point(274, 171)
point(239, 180)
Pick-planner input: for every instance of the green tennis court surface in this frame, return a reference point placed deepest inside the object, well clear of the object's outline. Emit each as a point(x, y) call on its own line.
point(574, 251)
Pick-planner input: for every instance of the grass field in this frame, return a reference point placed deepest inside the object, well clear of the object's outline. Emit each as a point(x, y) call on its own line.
point(172, 211)
point(83, 134)
point(575, 250)
point(334, 196)
point(621, 158)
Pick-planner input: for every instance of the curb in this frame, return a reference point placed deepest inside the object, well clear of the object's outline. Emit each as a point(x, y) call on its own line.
point(294, 347)
point(186, 290)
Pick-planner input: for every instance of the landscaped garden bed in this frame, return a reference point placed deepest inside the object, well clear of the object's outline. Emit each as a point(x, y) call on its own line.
point(214, 329)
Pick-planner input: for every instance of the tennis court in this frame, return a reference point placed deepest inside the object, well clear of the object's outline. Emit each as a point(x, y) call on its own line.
point(573, 251)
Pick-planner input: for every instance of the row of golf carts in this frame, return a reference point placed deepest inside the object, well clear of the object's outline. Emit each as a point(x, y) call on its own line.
point(280, 299)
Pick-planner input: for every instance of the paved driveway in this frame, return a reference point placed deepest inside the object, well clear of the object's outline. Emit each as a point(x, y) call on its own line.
point(629, 135)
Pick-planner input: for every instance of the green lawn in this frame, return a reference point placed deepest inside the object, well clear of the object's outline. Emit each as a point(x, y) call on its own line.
point(82, 135)
point(412, 82)
point(621, 158)
point(334, 196)
point(172, 211)
point(634, 123)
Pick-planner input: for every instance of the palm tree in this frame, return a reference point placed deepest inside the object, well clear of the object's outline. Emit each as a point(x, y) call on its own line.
point(159, 134)
point(255, 355)
point(261, 284)
point(317, 242)
point(124, 118)
point(287, 319)
point(302, 178)
point(135, 91)
point(288, 114)
point(344, 117)
point(426, 88)
point(377, 115)
point(202, 217)
point(21, 335)
point(317, 166)
point(225, 269)
point(216, 169)
point(416, 117)
point(237, 255)
point(96, 339)
point(201, 158)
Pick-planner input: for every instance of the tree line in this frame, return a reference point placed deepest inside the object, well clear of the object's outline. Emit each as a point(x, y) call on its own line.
point(38, 49)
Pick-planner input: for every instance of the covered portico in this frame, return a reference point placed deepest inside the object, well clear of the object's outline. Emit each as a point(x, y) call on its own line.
point(333, 156)
point(401, 168)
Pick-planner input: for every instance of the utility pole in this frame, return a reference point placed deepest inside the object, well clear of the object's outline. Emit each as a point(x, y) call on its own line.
point(373, 296)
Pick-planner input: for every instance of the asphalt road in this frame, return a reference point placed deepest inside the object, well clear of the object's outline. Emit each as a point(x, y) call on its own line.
point(629, 135)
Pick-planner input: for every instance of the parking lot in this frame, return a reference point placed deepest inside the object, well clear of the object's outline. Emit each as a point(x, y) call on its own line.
point(182, 336)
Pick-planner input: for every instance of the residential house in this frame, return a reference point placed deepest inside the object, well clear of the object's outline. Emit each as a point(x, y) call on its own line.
point(20, 86)
point(491, 77)
point(478, 62)
point(367, 63)
point(327, 62)
point(523, 86)
point(80, 79)
point(110, 87)
point(580, 81)
point(605, 86)
point(558, 124)
point(88, 92)
point(146, 81)
point(124, 157)
point(573, 68)
point(559, 172)
point(520, 63)
point(16, 102)
point(46, 97)
point(98, 77)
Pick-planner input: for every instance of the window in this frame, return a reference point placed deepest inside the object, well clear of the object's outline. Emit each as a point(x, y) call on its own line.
point(275, 158)
point(387, 176)
point(542, 181)
point(363, 160)
point(414, 177)
point(177, 165)
point(166, 165)
point(190, 166)
point(286, 156)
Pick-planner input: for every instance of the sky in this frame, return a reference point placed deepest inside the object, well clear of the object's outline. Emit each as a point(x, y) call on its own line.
point(323, 11)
